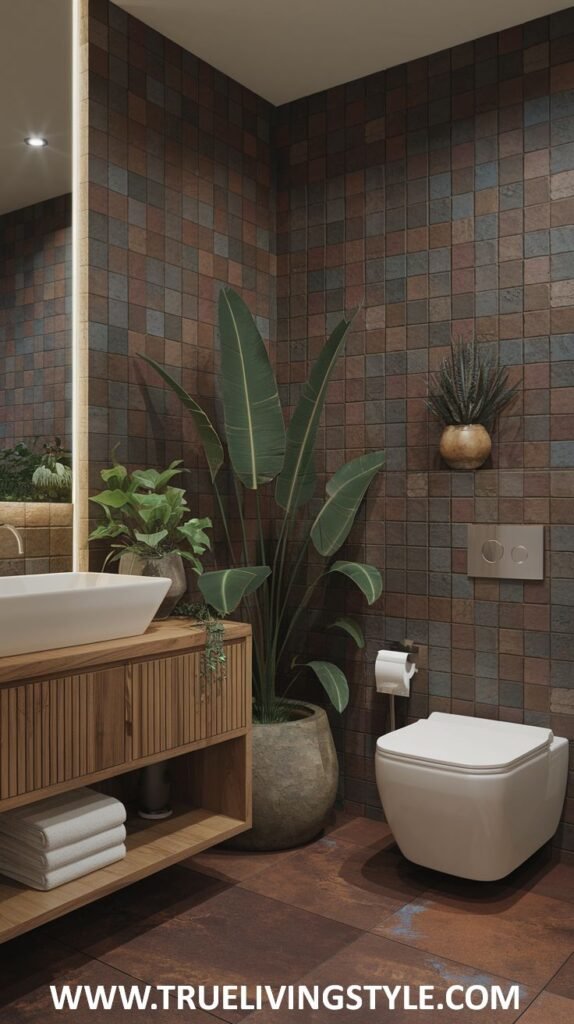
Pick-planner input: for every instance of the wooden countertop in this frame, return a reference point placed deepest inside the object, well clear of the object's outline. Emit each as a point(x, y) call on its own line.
point(168, 636)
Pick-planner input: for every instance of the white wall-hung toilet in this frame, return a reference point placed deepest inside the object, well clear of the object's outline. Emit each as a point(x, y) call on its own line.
point(469, 796)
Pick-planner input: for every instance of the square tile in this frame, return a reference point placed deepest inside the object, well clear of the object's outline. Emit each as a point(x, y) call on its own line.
point(359, 886)
point(521, 935)
point(371, 960)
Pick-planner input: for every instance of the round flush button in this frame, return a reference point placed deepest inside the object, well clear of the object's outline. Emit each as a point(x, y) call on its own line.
point(492, 551)
point(519, 554)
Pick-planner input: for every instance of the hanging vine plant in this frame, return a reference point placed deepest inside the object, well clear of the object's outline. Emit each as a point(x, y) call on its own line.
point(213, 660)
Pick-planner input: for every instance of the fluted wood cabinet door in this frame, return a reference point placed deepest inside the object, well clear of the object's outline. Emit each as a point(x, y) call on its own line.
point(60, 729)
point(170, 703)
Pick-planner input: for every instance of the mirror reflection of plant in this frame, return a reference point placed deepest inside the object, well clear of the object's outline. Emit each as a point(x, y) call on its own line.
point(31, 473)
point(53, 476)
point(146, 516)
point(469, 388)
point(261, 452)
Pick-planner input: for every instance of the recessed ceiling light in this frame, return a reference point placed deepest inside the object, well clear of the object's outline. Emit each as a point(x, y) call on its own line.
point(36, 141)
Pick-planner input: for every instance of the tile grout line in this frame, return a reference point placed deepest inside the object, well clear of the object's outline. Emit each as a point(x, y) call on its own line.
point(127, 974)
point(545, 989)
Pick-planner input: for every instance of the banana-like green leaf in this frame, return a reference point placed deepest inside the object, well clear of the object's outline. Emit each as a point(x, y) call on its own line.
point(111, 499)
point(208, 436)
point(116, 475)
point(193, 531)
point(108, 530)
point(346, 490)
point(366, 577)
point(296, 482)
point(147, 501)
point(333, 681)
point(351, 627)
point(224, 589)
point(154, 481)
point(254, 424)
point(151, 539)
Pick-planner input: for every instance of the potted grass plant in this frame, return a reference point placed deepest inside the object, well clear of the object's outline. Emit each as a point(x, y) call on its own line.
point(295, 768)
point(148, 522)
point(466, 395)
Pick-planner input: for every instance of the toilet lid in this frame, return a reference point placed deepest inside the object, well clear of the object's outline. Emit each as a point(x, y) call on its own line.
point(474, 744)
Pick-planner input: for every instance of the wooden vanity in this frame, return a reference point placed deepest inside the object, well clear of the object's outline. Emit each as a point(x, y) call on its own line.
point(94, 715)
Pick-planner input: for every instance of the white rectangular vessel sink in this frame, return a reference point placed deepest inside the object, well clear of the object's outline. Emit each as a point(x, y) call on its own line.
point(43, 612)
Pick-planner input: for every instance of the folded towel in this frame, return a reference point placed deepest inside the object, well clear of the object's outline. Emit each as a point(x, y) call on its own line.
point(63, 819)
point(45, 880)
point(16, 852)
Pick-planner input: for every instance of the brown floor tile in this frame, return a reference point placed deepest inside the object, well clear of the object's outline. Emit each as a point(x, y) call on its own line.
point(562, 984)
point(546, 875)
point(163, 896)
point(340, 880)
point(549, 1009)
point(31, 964)
point(192, 924)
point(362, 831)
point(543, 873)
point(372, 960)
point(522, 936)
point(29, 960)
point(235, 865)
point(234, 937)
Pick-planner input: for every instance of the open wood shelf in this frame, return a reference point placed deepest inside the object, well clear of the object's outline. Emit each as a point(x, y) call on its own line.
point(151, 846)
point(95, 716)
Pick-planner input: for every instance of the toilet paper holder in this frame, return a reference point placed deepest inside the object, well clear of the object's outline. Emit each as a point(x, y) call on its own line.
point(394, 669)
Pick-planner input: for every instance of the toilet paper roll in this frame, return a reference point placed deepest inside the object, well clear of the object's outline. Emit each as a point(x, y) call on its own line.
point(393, 673)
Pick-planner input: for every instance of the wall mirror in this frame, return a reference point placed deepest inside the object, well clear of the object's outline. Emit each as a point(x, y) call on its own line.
point(36, 287)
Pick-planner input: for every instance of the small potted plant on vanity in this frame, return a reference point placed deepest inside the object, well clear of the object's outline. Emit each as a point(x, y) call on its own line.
point(466, 395)
point(152, 533)
point(295, 768)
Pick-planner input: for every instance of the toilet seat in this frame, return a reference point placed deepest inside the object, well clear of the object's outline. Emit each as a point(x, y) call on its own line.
point(464, 744)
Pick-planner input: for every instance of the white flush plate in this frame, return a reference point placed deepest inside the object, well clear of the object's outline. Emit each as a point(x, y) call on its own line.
point(505, 552)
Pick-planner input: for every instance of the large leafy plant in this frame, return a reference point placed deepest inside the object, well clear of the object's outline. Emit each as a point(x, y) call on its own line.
point(261, 453)
point(146, 516)
point(468, 388)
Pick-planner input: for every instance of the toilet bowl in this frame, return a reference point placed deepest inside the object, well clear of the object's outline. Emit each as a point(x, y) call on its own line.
point(469, 796)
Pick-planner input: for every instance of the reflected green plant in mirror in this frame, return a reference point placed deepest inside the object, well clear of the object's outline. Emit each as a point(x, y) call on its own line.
point(33, 473)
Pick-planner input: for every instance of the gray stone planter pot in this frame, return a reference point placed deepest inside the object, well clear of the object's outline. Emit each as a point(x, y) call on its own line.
point(295, 774)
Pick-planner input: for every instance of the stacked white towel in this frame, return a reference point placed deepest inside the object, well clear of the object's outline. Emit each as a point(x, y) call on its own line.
point(63, 838)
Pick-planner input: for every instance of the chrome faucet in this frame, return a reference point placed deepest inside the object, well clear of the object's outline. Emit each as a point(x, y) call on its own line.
point(17, 535)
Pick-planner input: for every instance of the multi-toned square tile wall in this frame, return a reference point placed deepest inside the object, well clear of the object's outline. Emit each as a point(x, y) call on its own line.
point(181, 201)
point(47, 533)
point(439, 196)
point(35, 322)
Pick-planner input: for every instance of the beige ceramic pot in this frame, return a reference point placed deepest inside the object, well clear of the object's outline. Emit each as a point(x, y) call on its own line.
point(170, 566)
point(465, 447)
point(295, 774)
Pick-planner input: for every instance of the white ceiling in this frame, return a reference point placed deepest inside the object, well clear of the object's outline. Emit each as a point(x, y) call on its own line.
point(284, 49)
point(35, 98)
